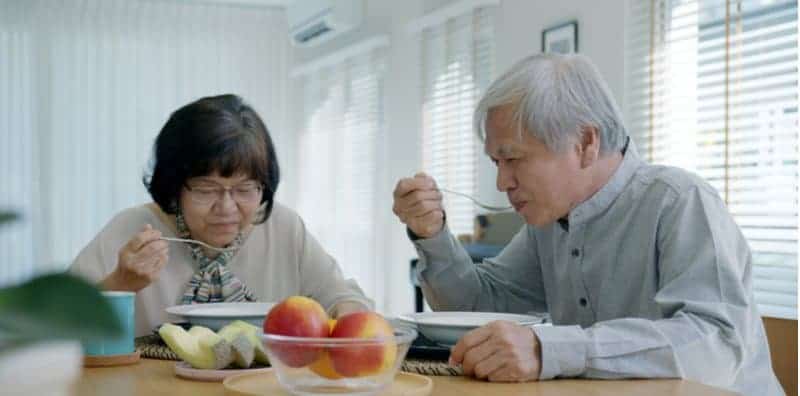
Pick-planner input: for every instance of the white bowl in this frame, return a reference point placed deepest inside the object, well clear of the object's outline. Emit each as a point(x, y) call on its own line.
point(217, 315)
point(447, 327)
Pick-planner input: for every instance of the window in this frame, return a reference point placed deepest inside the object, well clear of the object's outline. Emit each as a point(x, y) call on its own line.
point(712, 87)
point(457, 64)
point(340, 142)
point(87, 85)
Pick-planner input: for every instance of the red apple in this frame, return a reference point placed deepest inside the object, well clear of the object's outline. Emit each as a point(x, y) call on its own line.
point(363, 360)
point(297, 316)
point(323, 366)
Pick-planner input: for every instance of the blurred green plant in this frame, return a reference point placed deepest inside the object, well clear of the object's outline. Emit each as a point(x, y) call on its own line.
point(7, 217)
point(54, 306)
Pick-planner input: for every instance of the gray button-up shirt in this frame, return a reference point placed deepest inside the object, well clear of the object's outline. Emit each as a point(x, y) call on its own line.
point(652, 278)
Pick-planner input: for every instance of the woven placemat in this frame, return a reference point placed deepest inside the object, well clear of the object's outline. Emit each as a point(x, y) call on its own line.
point(430, 367)
point(153, 347)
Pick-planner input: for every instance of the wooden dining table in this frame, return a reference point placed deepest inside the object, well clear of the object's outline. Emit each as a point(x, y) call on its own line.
point(156, 377)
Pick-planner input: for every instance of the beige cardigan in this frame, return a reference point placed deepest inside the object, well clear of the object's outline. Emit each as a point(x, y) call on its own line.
point(278, 258)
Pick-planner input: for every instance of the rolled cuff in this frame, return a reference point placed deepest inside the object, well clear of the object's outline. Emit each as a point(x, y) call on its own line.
point(563, 351)
point(437, 248)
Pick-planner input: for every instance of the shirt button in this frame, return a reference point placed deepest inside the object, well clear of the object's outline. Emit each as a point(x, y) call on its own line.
point(583, 302)
point(576, 252)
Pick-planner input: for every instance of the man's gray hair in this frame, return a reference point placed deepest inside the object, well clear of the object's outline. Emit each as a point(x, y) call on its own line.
point(554, 97)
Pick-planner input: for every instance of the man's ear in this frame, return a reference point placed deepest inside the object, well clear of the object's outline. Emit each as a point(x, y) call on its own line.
point(589, 146)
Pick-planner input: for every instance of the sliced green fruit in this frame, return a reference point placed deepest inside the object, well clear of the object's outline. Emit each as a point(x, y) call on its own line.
point(243, 348)
point(206, 338)
point(197, 347)
point(253, 333)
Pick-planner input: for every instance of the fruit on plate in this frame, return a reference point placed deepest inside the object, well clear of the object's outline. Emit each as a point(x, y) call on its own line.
point(363, 360)
point(323, 365)
point(200, 347)
point(297, 316)
point(253, 333)
point(243, 348)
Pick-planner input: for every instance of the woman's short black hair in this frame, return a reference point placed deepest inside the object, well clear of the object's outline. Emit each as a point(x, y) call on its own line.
point(214, 134)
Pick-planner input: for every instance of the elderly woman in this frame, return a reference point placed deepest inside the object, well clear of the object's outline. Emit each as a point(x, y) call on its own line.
point(213, 180)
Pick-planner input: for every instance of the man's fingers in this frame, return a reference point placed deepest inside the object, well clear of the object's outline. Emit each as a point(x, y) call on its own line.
point(504, 374)
point(409, 184)
point(420, 208)
point(489, 366)
point(467, 342)
point(478, 354)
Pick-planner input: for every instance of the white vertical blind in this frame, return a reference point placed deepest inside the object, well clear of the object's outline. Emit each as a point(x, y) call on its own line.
point(85, 86)
point(341, 138)
point(712, 87)
point(457, 64)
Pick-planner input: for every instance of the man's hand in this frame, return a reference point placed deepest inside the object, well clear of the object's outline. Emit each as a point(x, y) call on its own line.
point(418, 204)
point(500, 352)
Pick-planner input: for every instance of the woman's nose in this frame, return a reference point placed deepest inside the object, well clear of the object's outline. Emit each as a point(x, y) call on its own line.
point(225, 200)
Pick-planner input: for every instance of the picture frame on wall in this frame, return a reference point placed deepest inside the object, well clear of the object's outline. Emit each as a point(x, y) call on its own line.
point(561, 39)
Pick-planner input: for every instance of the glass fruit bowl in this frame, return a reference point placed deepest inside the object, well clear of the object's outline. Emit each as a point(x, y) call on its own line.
point(324, 366)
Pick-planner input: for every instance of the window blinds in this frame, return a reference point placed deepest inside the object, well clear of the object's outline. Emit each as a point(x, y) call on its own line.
point(340, 140)
point(457, 64)
point(711, 86)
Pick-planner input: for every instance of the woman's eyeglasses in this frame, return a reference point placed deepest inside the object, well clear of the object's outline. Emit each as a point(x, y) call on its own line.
point(207, 194)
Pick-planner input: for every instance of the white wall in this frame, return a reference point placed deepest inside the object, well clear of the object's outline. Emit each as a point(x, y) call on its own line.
point(518, 30)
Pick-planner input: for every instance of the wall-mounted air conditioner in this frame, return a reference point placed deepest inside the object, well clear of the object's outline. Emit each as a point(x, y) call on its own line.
point(315, 21)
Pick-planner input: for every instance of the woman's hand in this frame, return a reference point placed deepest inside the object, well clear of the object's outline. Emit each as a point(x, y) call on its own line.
point(139, 262)
point(347, 307)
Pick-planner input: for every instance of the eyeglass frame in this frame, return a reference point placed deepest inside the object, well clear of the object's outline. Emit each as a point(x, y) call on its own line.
point(221, 191)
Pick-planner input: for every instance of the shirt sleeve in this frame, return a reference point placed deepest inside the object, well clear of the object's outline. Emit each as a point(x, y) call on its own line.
point(704, 296)
point(322, 279)
point(97, 260)
point(510, 282)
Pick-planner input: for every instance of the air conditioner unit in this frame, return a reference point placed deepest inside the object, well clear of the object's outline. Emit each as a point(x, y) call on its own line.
point(315, 21)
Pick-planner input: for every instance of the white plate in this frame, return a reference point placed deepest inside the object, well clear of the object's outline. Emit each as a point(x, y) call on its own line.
point(217, 315)
point(446, 328)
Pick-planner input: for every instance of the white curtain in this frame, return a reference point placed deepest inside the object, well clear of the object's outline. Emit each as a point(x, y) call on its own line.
point(85, 86)
point(341, 141)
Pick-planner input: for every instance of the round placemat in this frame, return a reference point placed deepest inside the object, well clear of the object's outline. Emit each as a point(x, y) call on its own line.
point(258, 384)
point(111, 360)
point(152, 347)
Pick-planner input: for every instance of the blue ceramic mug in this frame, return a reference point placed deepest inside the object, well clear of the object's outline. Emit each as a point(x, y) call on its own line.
point(123, 304)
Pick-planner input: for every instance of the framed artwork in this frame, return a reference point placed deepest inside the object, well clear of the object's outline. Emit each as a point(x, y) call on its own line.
point(562, 39)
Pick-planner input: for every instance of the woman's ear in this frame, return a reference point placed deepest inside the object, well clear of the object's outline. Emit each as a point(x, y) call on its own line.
point(589, 146)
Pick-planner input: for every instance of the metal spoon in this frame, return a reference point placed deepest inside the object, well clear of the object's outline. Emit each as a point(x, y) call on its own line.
point(475, 201)
point(197, 243)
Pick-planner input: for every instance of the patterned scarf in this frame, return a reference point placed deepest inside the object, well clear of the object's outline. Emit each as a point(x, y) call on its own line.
point(213, 281)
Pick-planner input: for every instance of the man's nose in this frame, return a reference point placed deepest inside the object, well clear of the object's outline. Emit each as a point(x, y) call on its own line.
point(505, 178)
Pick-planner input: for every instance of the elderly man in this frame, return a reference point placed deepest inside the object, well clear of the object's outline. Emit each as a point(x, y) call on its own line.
point(644, 272)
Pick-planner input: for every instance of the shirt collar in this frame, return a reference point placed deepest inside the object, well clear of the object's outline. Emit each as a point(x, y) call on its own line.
point(603, 198)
